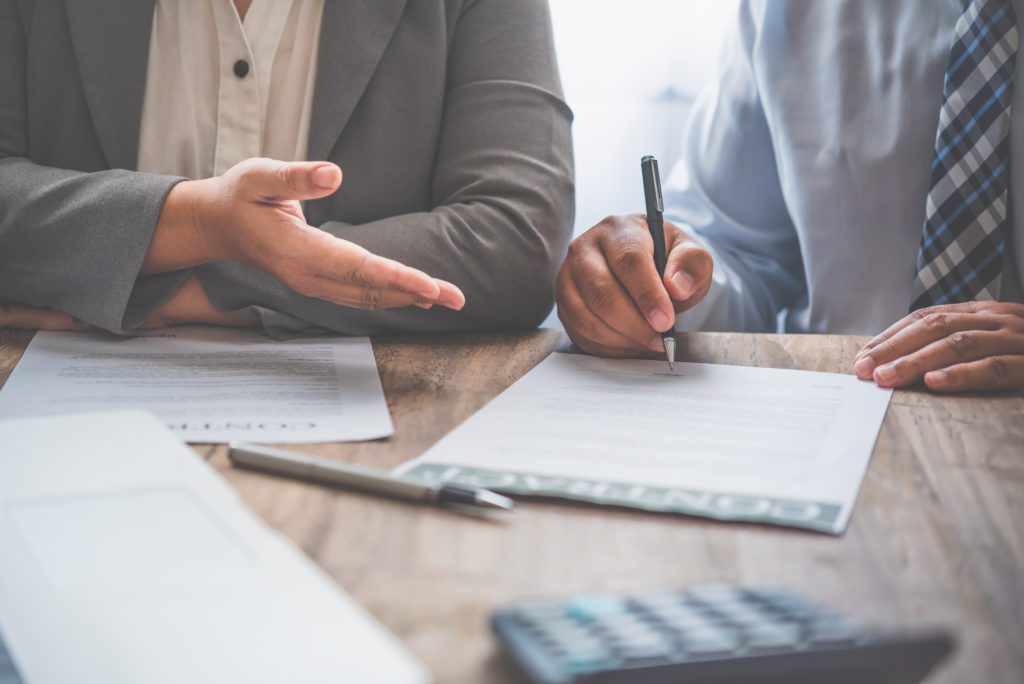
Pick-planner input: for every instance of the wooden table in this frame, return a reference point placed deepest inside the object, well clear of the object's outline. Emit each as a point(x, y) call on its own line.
point(937, 536)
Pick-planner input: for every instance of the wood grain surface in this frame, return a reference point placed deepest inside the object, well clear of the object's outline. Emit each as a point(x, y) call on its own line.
point(936, 538)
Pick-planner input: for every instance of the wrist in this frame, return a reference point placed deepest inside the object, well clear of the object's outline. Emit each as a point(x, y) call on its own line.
point(185, 236)
point(200, 230)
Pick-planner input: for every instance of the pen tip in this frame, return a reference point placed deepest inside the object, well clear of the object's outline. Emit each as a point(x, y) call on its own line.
point(670, 352)
point(491, 499)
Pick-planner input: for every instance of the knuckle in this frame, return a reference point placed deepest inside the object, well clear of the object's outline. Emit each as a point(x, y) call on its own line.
point(935, 321)
point(887, 348)
point(598, 295)
point(919, 315)
point(627, 259)
point(285, 178)
point(960, 343)
point(647, 300)
point(998, 370)
point(372, 299)
point(587, 329)
point(1004, 322)
point(357, 275)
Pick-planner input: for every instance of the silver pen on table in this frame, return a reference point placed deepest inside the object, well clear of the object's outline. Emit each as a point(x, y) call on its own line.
point(656, 225)
point(349, 476)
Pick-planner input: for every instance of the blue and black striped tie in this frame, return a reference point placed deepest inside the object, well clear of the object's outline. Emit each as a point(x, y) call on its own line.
point(968, 213)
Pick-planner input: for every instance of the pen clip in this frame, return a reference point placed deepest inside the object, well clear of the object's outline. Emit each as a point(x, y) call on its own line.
point(652, 184)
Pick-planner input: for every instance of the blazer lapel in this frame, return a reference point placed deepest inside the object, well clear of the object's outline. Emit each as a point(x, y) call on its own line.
point(353, 37)
point(111, 42)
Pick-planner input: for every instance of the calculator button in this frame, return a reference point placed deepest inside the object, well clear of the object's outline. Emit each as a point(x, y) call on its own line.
point(646, 652)
point(832, 632)
point(595, 606)
point(586, 663)
point(624, 624)
point(681, 616)
point(578, 647)
point(771, 638)
point(539, 612)
point(741, 614)
point(710, 643)
point(565, 637)
point(686, 623)
point(641, 644)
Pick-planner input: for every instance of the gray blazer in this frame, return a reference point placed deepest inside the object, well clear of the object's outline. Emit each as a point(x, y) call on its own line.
point(446, 116)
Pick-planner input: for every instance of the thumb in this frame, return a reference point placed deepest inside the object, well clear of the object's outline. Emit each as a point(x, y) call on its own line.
point(688, 272)
point(269, 179)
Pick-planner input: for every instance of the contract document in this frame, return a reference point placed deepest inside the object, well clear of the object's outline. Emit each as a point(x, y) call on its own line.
point(208, 384)
point(733, 443)
point(126, 559)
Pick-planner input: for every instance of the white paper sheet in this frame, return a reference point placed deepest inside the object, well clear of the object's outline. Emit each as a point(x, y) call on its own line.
point(126, 559)
point(208, 384)
point(728, 442)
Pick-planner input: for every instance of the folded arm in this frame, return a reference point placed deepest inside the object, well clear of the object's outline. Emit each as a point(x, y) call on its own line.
point(111, 247)
point(502, 193)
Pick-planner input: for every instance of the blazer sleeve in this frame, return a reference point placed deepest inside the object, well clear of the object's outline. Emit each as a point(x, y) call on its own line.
point(69, 240)
point(503, 194)
point(726, 193)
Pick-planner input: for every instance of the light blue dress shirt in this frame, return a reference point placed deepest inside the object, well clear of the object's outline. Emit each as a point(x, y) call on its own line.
point(806, 167)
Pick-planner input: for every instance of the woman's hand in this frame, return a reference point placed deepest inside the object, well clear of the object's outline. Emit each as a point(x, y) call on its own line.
point(191, 306)
point(188, 306)
point(253, 214)
point(21, 317)
point(955, 347)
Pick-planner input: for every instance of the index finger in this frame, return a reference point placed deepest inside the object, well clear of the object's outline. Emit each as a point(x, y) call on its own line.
point(630, 256)
point(351, 264)
point(915, 317)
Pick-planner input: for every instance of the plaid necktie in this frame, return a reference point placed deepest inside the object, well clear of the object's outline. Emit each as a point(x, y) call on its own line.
point(967, 216)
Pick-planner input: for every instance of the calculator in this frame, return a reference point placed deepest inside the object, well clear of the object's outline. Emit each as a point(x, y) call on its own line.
point(712, 634)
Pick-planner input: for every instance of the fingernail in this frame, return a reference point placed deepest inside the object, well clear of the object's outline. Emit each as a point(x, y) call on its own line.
point(425, 305)
point(886, 373)
point(656, 344)
point(658, 320)
point(684, 282)
point(325, 177)
point(864, 366)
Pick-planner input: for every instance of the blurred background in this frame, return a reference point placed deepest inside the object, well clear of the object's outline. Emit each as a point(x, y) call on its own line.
point(631, 82)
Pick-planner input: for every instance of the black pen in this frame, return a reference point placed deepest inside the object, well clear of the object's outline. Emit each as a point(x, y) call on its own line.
point(656, 224)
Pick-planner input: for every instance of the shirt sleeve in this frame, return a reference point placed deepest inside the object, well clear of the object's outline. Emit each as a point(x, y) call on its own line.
point(71, 241)
point(726, 193)
point(502, 192)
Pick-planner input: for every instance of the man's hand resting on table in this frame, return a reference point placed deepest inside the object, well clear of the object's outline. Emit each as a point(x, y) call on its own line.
point(955, 347)
point(610, 298)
